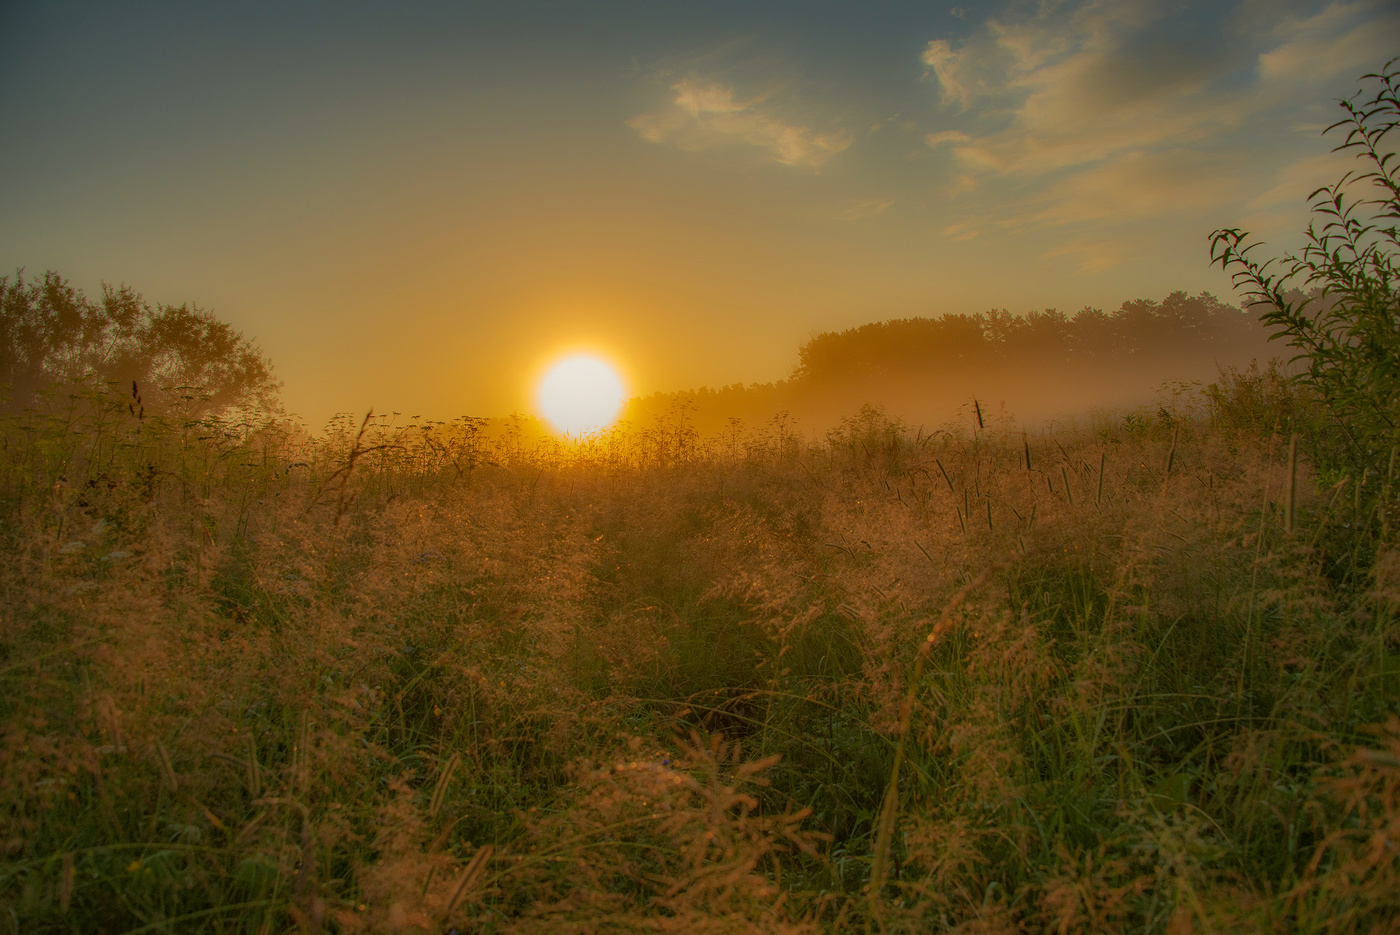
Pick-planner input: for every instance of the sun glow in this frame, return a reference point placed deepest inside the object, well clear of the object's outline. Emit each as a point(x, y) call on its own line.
point(581, 394)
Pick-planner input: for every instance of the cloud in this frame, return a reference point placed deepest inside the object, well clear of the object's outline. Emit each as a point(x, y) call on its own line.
point(1274, 212)
point(1092, 256)
point(865, 208)
point(1136, 186)
point(963, 183)
point(1076, 89)
point(704, 116)
point(935, 140)
point(1112, 108)
point(1296, 180)
point(963, 230)
point(1328, 44)
point(947, 64)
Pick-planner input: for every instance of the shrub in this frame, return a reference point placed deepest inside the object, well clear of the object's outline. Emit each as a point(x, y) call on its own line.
point(1346, 326)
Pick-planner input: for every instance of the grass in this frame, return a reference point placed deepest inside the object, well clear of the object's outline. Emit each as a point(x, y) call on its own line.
point(411, 678)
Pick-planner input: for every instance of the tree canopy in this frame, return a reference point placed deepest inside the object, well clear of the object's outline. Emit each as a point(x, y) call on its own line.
point(51, 334)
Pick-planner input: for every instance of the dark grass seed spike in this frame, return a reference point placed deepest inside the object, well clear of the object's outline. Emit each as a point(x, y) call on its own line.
point(166, 768)
point(948, 480)
point(254, 774)
point(1290, 503)
point(65, 884)
point(303, 751)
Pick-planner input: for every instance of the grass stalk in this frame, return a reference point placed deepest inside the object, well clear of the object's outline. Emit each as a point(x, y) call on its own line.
point(889, 808)
point(1290, 496)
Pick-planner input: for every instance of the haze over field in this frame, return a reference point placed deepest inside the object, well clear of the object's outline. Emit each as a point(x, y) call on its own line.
point(417, 207)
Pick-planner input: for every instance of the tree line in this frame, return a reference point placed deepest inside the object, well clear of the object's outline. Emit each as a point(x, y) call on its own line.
point(1180, 324)
point(1043, 364)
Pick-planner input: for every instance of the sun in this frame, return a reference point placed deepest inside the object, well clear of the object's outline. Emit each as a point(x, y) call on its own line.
point(581, 393)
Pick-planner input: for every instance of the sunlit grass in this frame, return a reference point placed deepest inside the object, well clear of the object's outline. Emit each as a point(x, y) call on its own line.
point(413, 678)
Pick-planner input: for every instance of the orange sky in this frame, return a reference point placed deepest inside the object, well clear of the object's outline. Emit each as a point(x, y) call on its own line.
point(414, 208)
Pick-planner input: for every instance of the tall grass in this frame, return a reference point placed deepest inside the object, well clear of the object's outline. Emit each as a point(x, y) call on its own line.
point(412, 678)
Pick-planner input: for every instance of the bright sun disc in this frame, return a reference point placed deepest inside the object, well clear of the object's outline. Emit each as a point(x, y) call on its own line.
point(581, 394)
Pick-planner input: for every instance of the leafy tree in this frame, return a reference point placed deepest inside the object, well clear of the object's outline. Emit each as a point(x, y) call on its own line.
point(1336, 302)
point(52, 334)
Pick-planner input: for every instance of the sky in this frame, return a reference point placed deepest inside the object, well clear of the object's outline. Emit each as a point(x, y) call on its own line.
point(415, 206)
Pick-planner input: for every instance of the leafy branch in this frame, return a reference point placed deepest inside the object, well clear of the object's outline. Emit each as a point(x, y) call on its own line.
point(1346, 322)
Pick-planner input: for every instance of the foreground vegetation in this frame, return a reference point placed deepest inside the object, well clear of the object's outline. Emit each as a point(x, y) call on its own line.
point(410, 679)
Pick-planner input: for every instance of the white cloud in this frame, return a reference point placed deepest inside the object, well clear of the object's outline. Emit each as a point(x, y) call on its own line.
point(708, 115)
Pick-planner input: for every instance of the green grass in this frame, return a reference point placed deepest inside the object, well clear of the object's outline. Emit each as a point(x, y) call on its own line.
point(671, 679)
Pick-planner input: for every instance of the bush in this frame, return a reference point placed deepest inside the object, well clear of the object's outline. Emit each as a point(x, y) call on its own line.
point(1346, 325)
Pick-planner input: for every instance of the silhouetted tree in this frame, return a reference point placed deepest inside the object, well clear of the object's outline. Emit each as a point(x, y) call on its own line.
point(52, 334)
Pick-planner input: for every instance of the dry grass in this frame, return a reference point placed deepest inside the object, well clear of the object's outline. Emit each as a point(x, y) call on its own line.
point(409, 678)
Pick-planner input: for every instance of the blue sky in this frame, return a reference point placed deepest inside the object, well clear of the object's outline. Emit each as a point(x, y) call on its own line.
point(415, 205)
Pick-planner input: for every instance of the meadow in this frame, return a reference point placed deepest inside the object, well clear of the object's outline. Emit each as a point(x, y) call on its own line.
point(1137, 674)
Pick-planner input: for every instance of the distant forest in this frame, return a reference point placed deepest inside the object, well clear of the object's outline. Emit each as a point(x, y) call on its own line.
point(1036, 366)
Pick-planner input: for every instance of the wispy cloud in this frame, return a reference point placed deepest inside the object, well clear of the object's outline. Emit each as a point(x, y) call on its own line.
point(1330, 43)
point(704, 115)
point(1091, 256)
point(1092, 110)
point(938, 139)
point(1135, 186)
point(1296, 180)
point(963, 230)
point(865, 208)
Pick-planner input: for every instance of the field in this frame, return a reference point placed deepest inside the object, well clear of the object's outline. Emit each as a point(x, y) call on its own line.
point(1142, 674)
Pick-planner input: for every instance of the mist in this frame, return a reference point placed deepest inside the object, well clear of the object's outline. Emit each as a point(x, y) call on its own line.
point(1030, 369)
